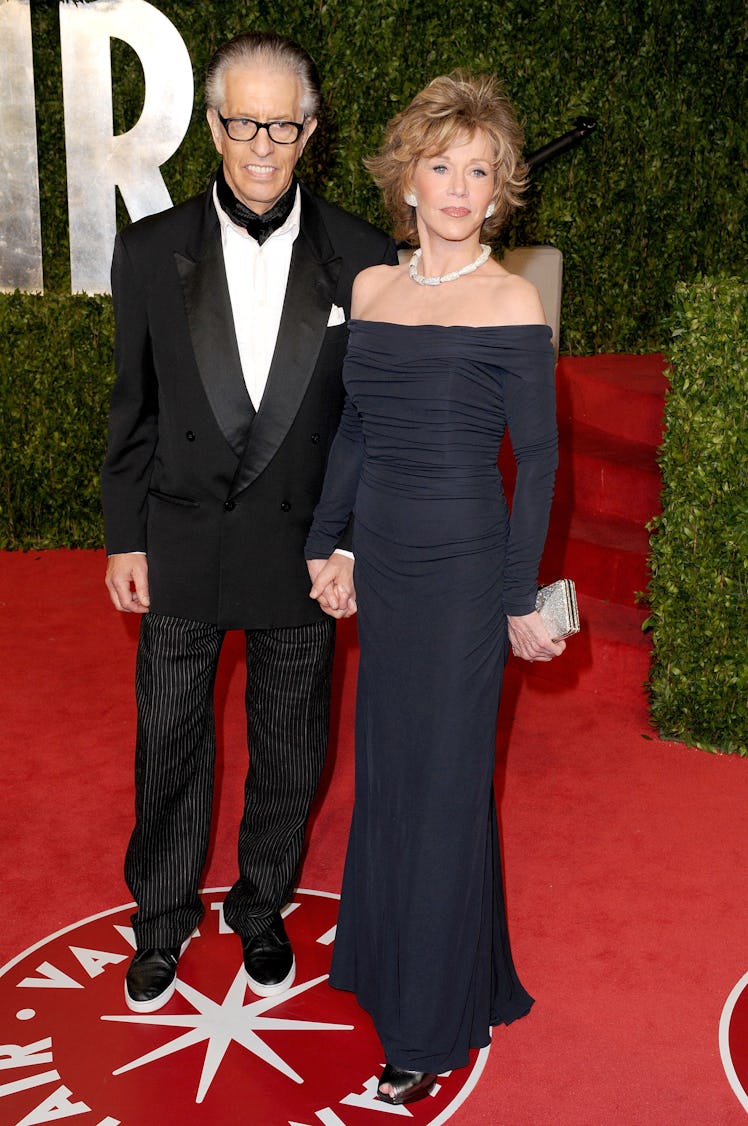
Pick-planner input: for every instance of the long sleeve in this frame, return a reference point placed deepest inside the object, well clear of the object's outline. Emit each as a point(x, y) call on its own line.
point(333, 512)
point(531, 418)
point(133, 418)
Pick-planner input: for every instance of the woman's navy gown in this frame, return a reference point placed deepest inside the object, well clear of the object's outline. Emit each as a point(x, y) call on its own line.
point(422, 937)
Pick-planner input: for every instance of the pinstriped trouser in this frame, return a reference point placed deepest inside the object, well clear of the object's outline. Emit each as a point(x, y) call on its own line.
point(287, 700)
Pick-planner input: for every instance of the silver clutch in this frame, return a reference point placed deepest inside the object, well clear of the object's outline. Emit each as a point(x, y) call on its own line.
point(557, 605)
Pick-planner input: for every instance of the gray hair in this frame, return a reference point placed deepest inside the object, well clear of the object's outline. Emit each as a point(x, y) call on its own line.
point(265, 49)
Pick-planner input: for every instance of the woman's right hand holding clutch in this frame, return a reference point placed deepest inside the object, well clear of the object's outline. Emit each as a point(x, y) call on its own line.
point(530, 639)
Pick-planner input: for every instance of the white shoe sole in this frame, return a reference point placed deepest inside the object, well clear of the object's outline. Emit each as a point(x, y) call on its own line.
point(158, 1002)
point(272, 990)
point(155, 1003)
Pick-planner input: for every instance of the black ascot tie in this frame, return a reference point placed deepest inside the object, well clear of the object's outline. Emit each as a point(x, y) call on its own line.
point(260, 227)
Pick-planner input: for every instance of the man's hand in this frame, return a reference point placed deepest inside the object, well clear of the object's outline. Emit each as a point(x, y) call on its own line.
point(127, 582)
point(332, 584)
point(531, 640)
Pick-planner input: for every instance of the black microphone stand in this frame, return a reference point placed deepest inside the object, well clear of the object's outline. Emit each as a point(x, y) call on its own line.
point(583, 126)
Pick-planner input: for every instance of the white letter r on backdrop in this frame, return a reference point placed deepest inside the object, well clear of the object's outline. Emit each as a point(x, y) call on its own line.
point(97, 161)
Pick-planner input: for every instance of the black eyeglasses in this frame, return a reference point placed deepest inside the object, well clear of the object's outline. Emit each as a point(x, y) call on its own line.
point(245, 129)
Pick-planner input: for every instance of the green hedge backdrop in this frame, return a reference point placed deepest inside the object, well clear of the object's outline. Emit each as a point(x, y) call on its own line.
point(699, 558)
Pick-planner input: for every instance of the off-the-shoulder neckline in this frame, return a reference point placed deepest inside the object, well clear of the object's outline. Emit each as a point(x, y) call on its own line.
point(470, 328)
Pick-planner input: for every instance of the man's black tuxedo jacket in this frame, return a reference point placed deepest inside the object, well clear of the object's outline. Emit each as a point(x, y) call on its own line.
point(220, 498)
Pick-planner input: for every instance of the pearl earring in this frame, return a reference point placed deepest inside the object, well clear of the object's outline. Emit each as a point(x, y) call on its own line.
point(490, 210)
point(410, 199)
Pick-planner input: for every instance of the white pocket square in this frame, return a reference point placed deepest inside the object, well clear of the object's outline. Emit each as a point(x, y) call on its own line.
point(337, 316)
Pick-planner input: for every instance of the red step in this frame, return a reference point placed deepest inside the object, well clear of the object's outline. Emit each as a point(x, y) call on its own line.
point(620, 393)
point(607, 555)
point(601, 473)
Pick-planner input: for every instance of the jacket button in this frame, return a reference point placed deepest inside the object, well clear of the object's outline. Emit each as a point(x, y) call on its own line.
point(229, 505)
point(285, 506)
point(315, 438)
point(190, 436)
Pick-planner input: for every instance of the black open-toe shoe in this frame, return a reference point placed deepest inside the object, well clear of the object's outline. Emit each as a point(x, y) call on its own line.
point(407, 1086)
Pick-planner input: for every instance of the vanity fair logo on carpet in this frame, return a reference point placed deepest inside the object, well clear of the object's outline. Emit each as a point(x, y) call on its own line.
point(733, 1040)
point(216, 1053)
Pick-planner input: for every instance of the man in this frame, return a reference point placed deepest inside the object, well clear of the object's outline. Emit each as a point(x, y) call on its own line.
point(230, 312)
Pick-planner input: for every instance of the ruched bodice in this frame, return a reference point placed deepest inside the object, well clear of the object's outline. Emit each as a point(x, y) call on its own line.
point(422, 935)
point(437, 427)
point(426, 411)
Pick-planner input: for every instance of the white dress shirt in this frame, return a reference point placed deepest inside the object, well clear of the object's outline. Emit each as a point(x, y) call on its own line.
point(257, 277)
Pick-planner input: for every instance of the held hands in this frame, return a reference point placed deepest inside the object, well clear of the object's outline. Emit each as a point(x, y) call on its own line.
point(332, 585)
point(530, 639)
point(127, 582)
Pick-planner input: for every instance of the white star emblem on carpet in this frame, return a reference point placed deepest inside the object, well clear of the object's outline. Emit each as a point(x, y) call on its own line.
point(219, 1024)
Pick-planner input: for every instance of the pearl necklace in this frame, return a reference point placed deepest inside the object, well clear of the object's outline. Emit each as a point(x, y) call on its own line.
point(420, 279)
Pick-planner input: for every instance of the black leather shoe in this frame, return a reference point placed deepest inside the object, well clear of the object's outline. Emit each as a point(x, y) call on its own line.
point(151, 978)
point(407, 1086)
point(268, 960)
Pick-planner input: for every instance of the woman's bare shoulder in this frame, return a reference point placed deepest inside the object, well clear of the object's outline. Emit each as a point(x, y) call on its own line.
point(514, 298)
point(370, 284)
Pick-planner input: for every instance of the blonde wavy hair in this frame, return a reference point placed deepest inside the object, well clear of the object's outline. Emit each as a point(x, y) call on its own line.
point(450, 108)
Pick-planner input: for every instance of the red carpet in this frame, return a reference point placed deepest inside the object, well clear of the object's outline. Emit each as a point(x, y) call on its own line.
point(623, 853)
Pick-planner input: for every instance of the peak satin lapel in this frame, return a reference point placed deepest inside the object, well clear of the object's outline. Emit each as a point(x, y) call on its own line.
point(306, 309)
point(208, 305)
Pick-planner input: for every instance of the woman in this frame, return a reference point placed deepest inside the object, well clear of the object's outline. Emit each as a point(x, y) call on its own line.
point(444, 352)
